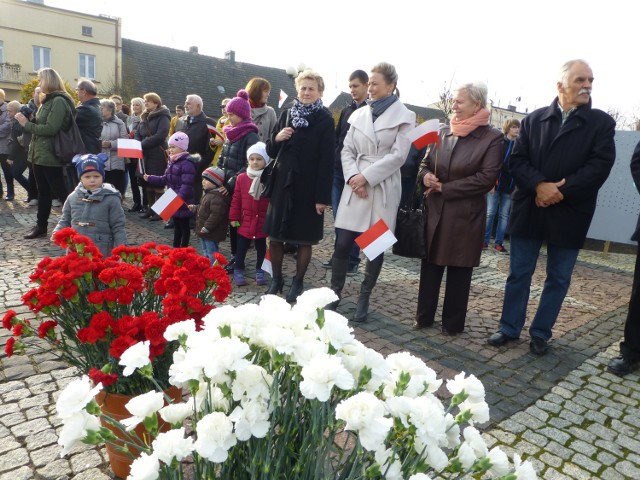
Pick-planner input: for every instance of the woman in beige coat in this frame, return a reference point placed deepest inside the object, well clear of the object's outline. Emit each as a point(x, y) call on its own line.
point(457, 176)
point(374, 150)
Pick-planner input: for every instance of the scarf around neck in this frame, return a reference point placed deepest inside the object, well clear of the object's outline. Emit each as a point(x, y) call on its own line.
point(378, 107)
point(243, 128)
point(256, 188)
point(462, 128)
point(177, 156)
point(300, 111)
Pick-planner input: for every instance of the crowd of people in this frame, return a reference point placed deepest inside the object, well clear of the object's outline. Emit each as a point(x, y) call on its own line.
point(539, 179)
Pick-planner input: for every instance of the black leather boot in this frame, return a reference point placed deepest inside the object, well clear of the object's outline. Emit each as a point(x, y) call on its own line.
point(338, 277)
point(297, 286)
point(371, 273)
point(36, 232)
point(275, 286)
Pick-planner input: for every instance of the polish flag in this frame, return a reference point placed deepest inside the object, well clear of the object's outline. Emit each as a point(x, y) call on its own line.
point(129, 148)
point(214, 131)
point(167, 205)
point(266, 264)
point(282, 98)
point(376, 240)
point(425, 133)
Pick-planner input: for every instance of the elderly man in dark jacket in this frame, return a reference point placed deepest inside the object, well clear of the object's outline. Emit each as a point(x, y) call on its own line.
point(88, 116)
point(561, 159)
point(196, 127)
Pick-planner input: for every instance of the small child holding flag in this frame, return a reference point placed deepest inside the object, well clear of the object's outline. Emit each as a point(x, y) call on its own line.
point(179, 176)
point(248, 211)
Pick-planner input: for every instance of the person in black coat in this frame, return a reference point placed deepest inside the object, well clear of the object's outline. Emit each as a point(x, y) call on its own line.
point(358, 86)
point(629, 358)
point(196, 126)
point(303, 145)
point(562, 157)
point(89, 116)
point(152, 133)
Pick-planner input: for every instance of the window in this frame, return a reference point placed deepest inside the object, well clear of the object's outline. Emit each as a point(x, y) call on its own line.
point(87, 66)
point(1, 51)
point(87, 31)
point(41, 58)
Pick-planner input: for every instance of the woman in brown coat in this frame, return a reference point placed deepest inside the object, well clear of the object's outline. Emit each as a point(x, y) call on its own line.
point(457, 175)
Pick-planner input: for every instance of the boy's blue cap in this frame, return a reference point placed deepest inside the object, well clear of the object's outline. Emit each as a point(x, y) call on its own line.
point(90, 162)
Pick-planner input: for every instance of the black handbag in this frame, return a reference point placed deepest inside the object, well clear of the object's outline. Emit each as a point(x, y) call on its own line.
point(68, 143)
point(268, 176)
point(411, 222)
point(410, 230)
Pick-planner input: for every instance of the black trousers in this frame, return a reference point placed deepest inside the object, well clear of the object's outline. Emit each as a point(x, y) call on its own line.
point(51, 184)
point(630, 346)
point(456, 295)
point(181, 232)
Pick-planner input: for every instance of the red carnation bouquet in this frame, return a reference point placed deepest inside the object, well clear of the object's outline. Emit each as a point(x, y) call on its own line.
point(90, 309)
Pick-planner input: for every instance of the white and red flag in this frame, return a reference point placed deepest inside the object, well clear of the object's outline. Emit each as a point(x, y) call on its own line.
point(129, 148)
point(214, 131)
point(167, 204)
point(266, 264)
point(376, 240)
point(424, 134)
point(282, 98)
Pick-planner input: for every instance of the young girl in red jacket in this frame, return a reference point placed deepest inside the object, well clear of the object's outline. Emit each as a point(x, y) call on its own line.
point(248, 211)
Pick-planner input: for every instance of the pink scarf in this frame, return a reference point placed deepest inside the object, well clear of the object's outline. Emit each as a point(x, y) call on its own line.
point(236, 133)
point(462, 128)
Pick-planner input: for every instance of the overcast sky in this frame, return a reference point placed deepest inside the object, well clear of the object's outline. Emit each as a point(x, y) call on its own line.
point(515, 47)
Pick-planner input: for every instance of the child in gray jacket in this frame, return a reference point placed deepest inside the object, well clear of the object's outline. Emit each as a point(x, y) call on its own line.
point(94, 208)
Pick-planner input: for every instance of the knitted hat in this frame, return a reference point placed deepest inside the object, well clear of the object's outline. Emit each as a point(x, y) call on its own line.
point(239, 105)
point(180, 140)
point(215, 175)
point(90, 163)
point(261, 149)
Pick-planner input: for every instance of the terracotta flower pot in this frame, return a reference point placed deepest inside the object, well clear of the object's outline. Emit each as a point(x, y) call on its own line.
point(113, 405)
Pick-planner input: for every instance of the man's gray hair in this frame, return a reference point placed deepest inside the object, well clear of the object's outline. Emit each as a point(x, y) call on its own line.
point(563, 77)
point(196, 98)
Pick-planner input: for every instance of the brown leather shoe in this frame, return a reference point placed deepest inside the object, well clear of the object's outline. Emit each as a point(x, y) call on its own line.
point(36, 232)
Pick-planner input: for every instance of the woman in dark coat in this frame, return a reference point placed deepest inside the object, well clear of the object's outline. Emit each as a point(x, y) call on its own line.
point(457, 176)
point(152, 132)
point(303, 143)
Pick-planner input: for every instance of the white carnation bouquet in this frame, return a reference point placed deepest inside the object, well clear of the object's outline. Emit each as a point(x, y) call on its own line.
point(281, 392)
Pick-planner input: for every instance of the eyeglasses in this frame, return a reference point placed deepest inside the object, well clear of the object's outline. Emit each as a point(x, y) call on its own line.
point(222, 106)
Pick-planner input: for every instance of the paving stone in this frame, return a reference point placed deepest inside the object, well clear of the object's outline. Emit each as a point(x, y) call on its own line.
point(22, 473)
point(551, 474)
point(559, 450)
point(56, 470)
point(585, 462)
point(628, 469)
point(43, 456)
point(41, 439)
point(575, 471)
point(92, 474)
point(30, 427)
point(554, 434)
point(85, 461)
point(606, 458)
point(611, 474)
point(13, 459)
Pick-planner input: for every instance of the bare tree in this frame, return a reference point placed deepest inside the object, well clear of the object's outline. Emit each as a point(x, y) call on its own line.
point(445, 102)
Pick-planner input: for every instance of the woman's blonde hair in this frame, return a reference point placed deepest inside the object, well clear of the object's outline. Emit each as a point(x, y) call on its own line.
point(50, 81)
point(153, 97)
point(310, 75)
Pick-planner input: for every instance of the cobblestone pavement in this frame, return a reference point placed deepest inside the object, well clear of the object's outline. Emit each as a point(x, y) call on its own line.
point(563, 411)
